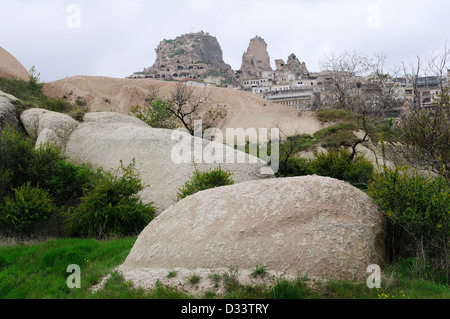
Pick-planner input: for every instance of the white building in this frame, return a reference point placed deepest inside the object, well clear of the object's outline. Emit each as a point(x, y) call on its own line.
point(193, 82)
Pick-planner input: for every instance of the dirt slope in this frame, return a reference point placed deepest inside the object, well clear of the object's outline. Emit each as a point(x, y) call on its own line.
point(244, 110)
point(10, 67)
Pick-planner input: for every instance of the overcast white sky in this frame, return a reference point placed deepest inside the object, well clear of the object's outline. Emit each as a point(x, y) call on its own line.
point(116, 38)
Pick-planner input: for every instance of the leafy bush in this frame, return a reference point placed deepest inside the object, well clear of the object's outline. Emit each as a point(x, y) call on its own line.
point(113, 207)
point(418, 214)
point(337, 164)
point(157, 115)
point(202, 181)
point(16, 149)
point(289, 147)
point(65, 181)
point(30, 207)
point(297, 167)
point(340, 134)
point(68, 181)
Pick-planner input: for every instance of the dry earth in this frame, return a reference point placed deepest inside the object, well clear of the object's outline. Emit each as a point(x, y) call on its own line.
point(244, 110)
point(10, 67)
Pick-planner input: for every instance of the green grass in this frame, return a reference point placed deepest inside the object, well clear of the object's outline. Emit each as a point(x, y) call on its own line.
point(194, 279)
point(259, 271)
point(335, 116)
point(340, 134)
point(38, 271)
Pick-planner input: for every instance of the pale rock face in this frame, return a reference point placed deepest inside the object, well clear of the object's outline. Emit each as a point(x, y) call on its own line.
point(189, 55)
point(36, 121)
point(112, 117)
point(315, 225)
point(8, 113)
point(48, 137)
point(256, 59)
point(103, 144)
point(293, 65)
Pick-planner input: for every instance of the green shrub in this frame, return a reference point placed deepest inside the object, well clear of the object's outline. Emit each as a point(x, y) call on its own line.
point(113, 207)
point(340, 134)
point(67, 181)
point(337, 164)
point(297, 167)
point(289, 148)
point(16, 149)
point(31, 207)
point(418, 214)
point(52, 171)
point(360, 170)
point(202, 181)
point(157, 115)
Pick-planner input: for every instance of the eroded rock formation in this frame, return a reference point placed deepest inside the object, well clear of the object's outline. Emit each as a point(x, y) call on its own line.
point(293, 66)
point(256, 59)
point(192, 55)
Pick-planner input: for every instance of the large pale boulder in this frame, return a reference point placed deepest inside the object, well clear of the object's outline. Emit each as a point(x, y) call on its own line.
point(8, 112)
point(104, 140)
point(37, 121)
point(112, 117)
point(318, 226)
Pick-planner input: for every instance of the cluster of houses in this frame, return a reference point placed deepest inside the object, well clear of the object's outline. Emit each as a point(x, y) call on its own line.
point(308, 91)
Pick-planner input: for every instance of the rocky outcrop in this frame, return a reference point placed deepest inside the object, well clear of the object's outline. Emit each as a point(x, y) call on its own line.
point(8, 113)
point(293, 66)
point(256, 59)
point(48, 126)
point(166, 159)
point(318, 226)
point(192, 55)
point(11, 68)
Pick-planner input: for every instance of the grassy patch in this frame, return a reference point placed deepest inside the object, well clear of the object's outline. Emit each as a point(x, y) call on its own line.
point(39, 271)
point(341, 133)
point(31, 96)
point(259, 271)
point(337, 135)
point(335, 116)
point(194, 279)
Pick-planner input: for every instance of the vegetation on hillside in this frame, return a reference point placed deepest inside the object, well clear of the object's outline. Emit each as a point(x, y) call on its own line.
point(30, 96)
point(41, 193)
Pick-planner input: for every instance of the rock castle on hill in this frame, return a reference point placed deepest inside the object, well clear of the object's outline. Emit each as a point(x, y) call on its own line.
point(197, 58)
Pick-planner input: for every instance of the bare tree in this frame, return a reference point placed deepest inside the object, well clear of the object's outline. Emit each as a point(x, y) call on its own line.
point(361, 85)
point(155, 112)
point(290, 146)
point(427, 126)
point(187, 102)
